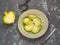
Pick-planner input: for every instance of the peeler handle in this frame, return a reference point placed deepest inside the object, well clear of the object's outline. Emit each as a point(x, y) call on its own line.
point(24, 6)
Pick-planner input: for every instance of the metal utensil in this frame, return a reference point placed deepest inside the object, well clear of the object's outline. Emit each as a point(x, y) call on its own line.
point(42, 43)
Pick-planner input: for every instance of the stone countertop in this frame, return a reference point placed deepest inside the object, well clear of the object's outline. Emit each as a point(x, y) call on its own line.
point(9, 34)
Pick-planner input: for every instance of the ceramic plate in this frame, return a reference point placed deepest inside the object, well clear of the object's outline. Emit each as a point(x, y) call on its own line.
point(38, 13)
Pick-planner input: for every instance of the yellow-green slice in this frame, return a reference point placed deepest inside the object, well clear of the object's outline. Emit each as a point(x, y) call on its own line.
point(29, 27)
point(27, 21)
point(9, 17)
point(36, 29)
point(31, 16)
point(37, 21)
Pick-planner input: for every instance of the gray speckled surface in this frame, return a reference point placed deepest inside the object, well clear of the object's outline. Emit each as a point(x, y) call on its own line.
point(9, 34)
